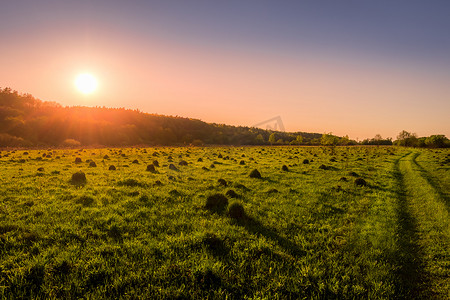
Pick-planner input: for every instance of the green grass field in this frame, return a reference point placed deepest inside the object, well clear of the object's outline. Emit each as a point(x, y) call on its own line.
point(307, 232)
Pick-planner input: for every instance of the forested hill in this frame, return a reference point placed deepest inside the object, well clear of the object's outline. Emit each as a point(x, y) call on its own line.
point(29, 122)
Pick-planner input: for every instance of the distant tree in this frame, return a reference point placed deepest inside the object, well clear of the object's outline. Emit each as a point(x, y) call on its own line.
point(280, 142)
point(299, 139)
point(259, 139)
point(197, 143)
point(329, 140)
point(436, 141)
point(272, 138)
point(344, 141)
point(406, 139)
point(70, 143)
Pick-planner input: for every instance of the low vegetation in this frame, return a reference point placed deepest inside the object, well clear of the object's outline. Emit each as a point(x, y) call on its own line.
point(374, 223)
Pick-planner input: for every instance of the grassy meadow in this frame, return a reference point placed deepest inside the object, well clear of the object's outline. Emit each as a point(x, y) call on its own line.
point(321, 223)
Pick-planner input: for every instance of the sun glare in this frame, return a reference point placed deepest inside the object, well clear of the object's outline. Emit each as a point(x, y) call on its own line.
point(86, 83)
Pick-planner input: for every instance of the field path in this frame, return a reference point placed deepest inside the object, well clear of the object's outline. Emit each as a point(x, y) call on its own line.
point(423, 232)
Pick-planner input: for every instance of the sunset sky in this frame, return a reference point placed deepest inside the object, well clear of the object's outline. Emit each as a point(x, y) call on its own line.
point(356, 68)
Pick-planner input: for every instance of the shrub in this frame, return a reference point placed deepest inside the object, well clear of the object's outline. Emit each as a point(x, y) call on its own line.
point(156, 163)
point(106, 157)
point(324, 167)
point(284, 168)
point(200, 159)
point(242, 162)
point(112, 168)
point(78, 178)
point(216, 202)
point(78, 160)
point(135, 161)
point(183, 163)
point(236, 211)
point(92, 164)
point(41, 169)
point(305, 161)
point(205, 168)
point(255, 174)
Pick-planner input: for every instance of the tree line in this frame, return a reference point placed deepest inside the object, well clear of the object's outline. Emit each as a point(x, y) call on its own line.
point(29, 122)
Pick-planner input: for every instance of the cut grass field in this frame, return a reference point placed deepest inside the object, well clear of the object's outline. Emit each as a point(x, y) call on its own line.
point(350, 222)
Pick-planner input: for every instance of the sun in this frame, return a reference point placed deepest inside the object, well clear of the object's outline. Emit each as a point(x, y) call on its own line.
point(86, 83)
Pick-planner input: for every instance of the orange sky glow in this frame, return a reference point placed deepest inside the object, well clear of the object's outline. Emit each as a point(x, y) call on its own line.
point(314, 89)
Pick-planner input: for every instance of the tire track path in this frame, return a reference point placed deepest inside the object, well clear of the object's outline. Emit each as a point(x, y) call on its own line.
point(423, 233)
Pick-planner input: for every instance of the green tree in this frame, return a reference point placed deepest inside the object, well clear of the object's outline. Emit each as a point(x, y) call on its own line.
point(259, 139)
point(299, 139)
point(436, 141)
point(272, 138)
point(329, 140)
point(407, 139)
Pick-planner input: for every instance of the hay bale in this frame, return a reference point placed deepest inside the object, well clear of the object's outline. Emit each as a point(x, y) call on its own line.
point(285, 168)
point(112, 168)
point(255, 174)
point(232, 194)
point(183, 163)
point(236, 211)
point(216, 203)
point(92, 164)
point(151, 168)
point(222, 181)
point(78, 178)
point(360, 182)
point(172, 167)
point(78, 160)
